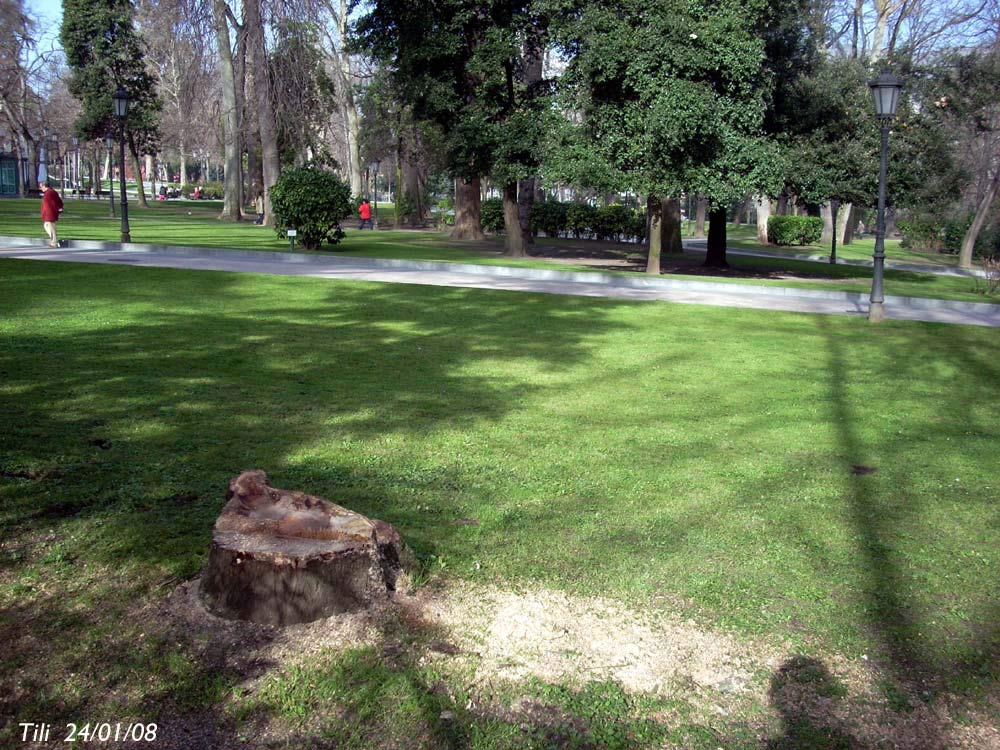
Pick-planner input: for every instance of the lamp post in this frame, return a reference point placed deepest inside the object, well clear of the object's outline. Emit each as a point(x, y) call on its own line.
point(885, 92)
point(121, 102)
point(375, 192)
point(53, 157)
point(75, 174)
point(109, 144)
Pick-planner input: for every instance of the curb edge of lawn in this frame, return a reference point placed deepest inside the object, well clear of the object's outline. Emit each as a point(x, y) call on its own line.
point(532, 274)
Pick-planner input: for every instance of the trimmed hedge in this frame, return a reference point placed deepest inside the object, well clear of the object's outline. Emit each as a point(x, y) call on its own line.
point(614, 222)
point(794, 230)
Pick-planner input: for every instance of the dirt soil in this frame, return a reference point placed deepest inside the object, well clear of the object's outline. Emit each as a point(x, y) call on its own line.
point(488, 641)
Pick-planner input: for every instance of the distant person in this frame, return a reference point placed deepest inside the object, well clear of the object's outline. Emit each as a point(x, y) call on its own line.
point(365, 213)
point(52, 205)
point(258, 207)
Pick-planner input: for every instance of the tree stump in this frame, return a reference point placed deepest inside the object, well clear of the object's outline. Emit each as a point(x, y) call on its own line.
point(280, 557)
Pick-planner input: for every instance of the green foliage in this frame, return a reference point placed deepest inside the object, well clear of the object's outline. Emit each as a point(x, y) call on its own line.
point(828, 136)
point(794, 230)
point(491, 212)
point(922, 233)
point(580, 217)
point(612, 222)
point(459, 65)
point(549, 217)
point(104, 51)
point(313, 202)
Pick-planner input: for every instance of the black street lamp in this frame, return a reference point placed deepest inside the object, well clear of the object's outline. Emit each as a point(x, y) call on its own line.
point(109, 144)
point(375, 165)
point(885, 92)
point(52, 157)
point(121, 102)
point(75, 178)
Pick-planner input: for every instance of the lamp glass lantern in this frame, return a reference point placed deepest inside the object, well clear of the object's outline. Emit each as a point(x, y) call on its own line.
point(885, 92)
point(121, 101)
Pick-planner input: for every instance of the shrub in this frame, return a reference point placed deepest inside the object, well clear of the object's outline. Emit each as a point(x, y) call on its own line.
point(922, 233)
point(637, 226)
point(580, 219)
point(549, 217)
point(313, 202)
point(794, 230)
point(491, 213)
point(213, 190)
point(612, 222)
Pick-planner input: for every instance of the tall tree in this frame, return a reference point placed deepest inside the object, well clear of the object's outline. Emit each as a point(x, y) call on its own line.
point(672, 95)
point(232, 106)
point(104, 51)
point(460, 64)
point(263, 96)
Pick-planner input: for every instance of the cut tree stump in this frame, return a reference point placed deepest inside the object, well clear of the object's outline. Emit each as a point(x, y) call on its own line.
point(280, 557)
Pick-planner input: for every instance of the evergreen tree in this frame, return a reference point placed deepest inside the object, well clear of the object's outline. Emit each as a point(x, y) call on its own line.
point(104, 51)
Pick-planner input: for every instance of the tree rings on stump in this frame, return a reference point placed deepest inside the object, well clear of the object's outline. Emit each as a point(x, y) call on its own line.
point(280, 557)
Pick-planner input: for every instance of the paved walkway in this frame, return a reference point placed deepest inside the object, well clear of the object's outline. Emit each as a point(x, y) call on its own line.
point(764, 297)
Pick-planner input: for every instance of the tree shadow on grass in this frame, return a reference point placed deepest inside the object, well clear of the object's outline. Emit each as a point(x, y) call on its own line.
point(916, 664)
point(125, 414)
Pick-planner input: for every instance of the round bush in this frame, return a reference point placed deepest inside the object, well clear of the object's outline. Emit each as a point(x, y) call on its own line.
point(313, 202)
point(794, 230)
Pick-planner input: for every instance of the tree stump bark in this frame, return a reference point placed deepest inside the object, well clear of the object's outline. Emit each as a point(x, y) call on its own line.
point(280, 557)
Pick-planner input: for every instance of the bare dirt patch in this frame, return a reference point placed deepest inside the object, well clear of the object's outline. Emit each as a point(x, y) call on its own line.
point(489, 641)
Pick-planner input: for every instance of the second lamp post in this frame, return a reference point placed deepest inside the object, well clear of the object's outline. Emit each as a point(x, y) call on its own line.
point(122, 101)
point(885, 91)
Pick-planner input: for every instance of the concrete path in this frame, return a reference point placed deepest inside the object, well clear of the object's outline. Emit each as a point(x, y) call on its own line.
point(764, 297)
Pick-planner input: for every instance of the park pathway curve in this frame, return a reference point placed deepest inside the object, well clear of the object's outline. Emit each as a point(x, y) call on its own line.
point(578, 283)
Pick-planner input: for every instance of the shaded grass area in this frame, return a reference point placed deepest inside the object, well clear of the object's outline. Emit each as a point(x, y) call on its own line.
point(171, 223)
point(811, 478)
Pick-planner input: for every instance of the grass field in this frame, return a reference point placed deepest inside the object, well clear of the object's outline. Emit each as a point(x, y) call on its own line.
point(811, 483)
point(195, 223)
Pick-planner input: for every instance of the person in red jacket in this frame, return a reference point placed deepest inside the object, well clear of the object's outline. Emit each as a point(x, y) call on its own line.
point(365, 214)
point(51, 206)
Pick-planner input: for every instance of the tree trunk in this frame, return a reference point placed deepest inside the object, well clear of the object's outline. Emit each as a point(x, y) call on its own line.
point(826, 213)
point(232, 203)
point(699, 221)
point(136, 166)
point(654, 218)
point(525, 207)
point(468, 222)
point(670, 237)
point(716, 255)
point(850, 224)
point(763, 214)
point(843, 223)
point(258, 64)
point(513, 241)
point(978, 221)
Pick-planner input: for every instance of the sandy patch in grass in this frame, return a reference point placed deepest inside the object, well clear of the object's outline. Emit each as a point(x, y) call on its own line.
point(489, 641)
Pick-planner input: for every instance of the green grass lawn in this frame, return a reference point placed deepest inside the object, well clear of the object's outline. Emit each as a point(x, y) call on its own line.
point(862, 248)
point(195, 223)
point(809, 480)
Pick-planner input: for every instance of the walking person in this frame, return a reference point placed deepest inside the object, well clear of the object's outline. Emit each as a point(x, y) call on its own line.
point(52, 205)
point(365, 213)
point(258, 207)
